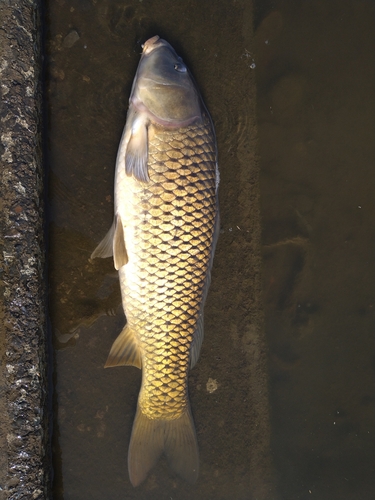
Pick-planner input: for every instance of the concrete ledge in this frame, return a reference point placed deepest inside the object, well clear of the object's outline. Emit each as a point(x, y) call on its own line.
point(24, 456)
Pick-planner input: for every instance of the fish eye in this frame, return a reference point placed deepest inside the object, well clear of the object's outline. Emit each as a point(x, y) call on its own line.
point(180, 67)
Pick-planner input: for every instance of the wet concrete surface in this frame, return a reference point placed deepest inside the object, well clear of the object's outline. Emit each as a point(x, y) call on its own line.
point(24, 431)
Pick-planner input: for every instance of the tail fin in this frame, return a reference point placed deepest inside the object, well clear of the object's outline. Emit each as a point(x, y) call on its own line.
point(150, 438)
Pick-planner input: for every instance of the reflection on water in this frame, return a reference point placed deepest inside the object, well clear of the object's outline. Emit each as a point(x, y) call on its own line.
point(316, 152)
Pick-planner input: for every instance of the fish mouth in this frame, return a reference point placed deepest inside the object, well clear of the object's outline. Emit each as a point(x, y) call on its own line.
point(151, 44)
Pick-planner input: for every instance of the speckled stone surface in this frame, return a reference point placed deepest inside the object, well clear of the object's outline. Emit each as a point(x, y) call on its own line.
point(24, 449)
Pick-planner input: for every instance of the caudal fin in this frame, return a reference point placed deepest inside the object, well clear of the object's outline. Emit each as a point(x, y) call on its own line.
point(151, 437)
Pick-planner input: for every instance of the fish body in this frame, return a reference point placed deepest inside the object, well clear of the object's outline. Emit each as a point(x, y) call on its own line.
point(163, 240)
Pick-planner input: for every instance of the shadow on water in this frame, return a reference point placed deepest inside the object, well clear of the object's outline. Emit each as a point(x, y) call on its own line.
point(316, 148)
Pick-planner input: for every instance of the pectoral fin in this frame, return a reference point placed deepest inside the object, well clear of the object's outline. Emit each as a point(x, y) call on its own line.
point(136, 155)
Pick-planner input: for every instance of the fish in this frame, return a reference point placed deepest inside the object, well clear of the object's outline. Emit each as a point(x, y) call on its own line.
point(163, 238)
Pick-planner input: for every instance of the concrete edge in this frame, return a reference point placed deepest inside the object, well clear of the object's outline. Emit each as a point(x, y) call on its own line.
point(24, 426)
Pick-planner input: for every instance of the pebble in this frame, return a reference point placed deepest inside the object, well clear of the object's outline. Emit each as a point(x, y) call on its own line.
point(211, 385)
point(70, 39)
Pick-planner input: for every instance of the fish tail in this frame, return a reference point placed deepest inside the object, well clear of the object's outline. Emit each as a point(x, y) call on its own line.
point(151, 437)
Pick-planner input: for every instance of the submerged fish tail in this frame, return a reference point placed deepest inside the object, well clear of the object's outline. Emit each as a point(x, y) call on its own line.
point(174, 437)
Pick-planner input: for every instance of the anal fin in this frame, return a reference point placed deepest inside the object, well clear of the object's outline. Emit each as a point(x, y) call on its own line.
point(125, 350)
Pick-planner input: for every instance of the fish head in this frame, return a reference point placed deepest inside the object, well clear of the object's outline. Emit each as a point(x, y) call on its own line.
point(163, 87)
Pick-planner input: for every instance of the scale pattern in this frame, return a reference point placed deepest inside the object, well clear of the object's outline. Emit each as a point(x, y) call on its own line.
point(168, 226)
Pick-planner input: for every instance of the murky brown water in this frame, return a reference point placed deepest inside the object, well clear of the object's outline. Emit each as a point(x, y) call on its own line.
point(315, 79)
point(315, 102)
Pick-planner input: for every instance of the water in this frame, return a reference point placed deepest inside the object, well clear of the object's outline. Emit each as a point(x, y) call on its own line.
point(315, 84)
point(315, 107)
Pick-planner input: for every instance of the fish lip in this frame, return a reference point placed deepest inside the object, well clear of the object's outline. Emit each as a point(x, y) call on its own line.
point(152, 43)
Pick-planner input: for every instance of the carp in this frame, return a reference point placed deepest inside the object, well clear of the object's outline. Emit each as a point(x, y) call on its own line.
point(162, 239)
